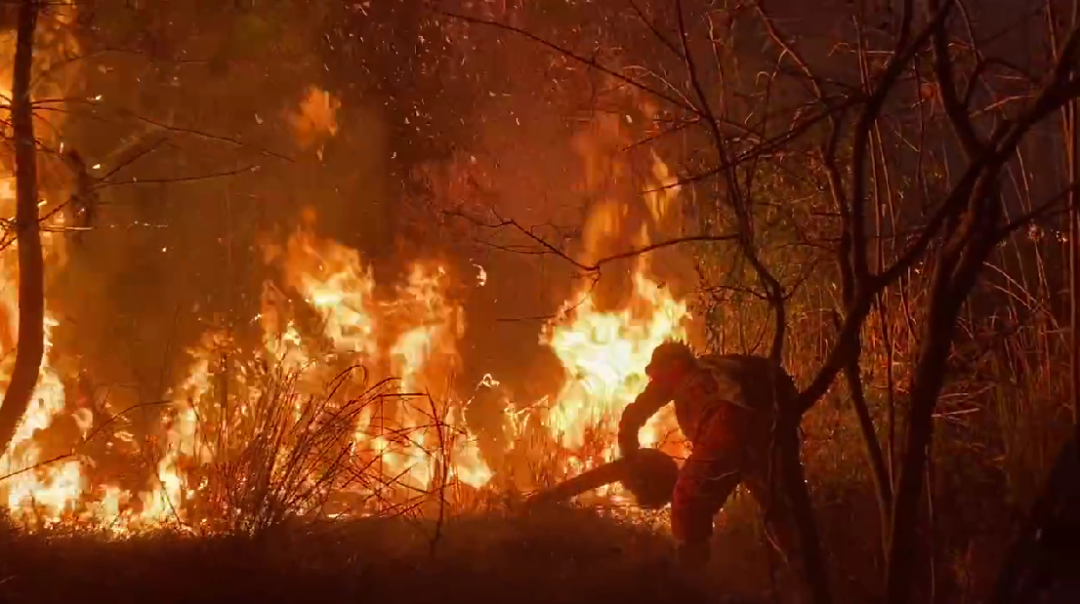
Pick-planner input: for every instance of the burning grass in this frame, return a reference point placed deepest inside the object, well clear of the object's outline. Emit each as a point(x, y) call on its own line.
point(343, 404)
point(271, 494)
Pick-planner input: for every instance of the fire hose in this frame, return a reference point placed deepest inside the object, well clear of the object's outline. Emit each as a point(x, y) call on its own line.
point(649, 475)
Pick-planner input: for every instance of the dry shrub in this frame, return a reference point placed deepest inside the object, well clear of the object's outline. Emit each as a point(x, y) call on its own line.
point(264, 445)
point(269, 452)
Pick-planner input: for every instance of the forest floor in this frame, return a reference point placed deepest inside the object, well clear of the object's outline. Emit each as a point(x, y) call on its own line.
point(557, 556)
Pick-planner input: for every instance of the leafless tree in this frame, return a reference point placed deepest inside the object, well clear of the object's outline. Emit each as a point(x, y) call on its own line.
point(924, 79)
point(31, 341)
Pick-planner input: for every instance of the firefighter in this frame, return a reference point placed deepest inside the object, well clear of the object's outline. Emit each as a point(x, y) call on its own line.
point(725, 407)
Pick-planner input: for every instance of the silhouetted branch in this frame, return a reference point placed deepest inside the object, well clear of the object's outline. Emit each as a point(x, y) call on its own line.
point(547, 248)
point(46, 104)
point(178, 179)
point(571, 54)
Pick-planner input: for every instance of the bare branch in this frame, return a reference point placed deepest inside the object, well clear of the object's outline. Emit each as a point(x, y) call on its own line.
point(736, 200)
point(177, 179)
point(547, 248)
point(943, 71)
point(1048, 207)
point(571, 54)
point(48, 105)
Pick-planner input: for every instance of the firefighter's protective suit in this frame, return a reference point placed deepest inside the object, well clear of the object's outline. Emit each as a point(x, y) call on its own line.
point(725, 406)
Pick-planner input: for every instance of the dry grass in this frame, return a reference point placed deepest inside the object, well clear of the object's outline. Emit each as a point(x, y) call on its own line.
point(556, 556)
point(1000, 421)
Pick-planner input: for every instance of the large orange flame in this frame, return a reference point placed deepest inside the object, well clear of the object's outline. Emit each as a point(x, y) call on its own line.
point(605, 354)
point(385, 437)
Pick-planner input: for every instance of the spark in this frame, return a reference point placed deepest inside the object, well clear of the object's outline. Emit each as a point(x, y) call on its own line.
point(481, 275)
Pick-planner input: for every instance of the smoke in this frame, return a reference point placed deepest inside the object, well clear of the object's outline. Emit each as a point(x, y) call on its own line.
point(194, 163)
point(402, 148)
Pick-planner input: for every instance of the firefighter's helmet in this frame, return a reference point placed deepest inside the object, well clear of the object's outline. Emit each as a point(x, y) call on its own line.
point(666, 354)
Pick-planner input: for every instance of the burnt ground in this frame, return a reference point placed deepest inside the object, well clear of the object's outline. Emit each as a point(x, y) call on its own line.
point(557, 556)
point(554, 556)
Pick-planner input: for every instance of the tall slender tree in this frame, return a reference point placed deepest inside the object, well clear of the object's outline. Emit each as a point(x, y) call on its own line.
point(31, 341)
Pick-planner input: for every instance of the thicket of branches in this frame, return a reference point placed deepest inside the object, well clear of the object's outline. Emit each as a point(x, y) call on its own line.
point(886, 207)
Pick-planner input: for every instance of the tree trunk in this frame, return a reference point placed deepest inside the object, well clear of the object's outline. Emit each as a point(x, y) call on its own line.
point(1069, 130)
point(926, 385)
point(874, 454)
point(31, 340)
point(813, 562)
point(955, 276)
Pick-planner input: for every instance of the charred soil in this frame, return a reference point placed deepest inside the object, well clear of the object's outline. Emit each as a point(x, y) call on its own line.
point(559, 555)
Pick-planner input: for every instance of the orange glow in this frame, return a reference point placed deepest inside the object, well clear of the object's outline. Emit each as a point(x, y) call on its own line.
point(245, 430)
